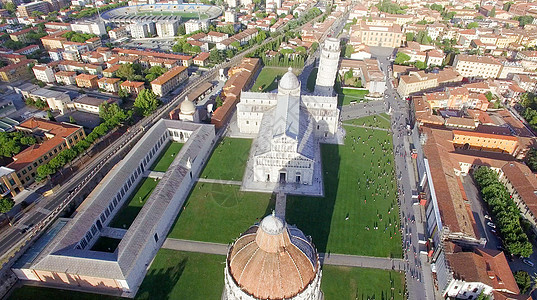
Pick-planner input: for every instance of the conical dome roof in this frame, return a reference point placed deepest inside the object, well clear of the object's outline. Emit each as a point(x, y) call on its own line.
point(187, 107)
point(273, 260)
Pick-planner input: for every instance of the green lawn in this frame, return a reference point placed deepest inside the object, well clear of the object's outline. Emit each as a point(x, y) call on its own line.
point(184, 15)
point(220, 213)
point(166, 157)
point(133, 205)
point(311, 80)
point(228, 160)
point(346, 171)
point(106, 244)
point(183, 275)
point(266, 80)
point(380, 121)
point(348, 95)
point(33, 292)
point(345, 283)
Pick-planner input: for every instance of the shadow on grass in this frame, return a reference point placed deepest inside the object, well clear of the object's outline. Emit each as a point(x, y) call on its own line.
point(158, 284)
point(313, 215)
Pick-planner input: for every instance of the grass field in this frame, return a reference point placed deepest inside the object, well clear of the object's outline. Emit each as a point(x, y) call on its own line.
point(220, 213)
point(266, 80)
point(359, 184)
point(184, 15)
point(106, 244)
point(183, 275)
point(344, 283)
point(348, 95)
point(228, 160)
point(133, 205)
point(166, 157)
point(381, 121)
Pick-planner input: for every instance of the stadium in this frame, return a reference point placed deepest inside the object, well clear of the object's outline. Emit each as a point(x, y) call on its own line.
point(160, 12)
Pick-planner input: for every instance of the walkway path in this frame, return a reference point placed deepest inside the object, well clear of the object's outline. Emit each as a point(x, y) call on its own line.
point(367, 127)
point(154, 174)
point(220, 181)
point(328, 259)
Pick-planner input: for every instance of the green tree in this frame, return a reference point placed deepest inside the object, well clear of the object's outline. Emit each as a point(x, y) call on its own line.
point(492, 13)
point(410, 36)
point(349, 50)
point(218, 102)
point(6, 204)
point(524, 281)
point(72, 120)
point(472, 25)
point(126, 72)
point(401, 58)
point(50, 116)
point(420, 65)
point(123, 93)
point(10, 7)
point(146, 102)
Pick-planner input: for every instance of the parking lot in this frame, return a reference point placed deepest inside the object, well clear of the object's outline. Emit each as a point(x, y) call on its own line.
point(155, 43)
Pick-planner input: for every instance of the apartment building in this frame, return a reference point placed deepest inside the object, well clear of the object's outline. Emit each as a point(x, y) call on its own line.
point(16, 71)
point(25, 10)
point(44, 73)
point(96, 28)
point(89, 104)
point(142, 30)
point(66, 77)
point(196, 25)
point(485, 141)
point(132, 87)
point(109, 84)
point(167, 28)
point(477, 66)
point(9, 182)
point(118, 33)
point(169, 80)
point(87, 81)
point(53, 137)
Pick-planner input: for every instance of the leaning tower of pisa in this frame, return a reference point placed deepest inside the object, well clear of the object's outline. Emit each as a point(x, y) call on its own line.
point(328, 65)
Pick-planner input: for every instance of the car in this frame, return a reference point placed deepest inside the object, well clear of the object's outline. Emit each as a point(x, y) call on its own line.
point(487, 217)
point(491, 225)
point(500, 247)
point(493, 231)
point(528, 262)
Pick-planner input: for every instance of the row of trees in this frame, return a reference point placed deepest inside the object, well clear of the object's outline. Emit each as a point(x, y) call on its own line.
point(111, 114)
point(78, 37)
point(403, 59)
point(12, 143)
point(390, 7)
point(282, 60)
point(39, 104)
point(88, 12)
point(504, 211)
point(528, 103)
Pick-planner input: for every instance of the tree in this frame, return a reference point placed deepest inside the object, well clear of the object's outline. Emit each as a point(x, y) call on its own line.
point(349, 50)
point(524, 281)
point(146, 102)
point(401, 58)
point(492, 12)
point(218, 102)
point(50, 116)
point(472, 25)
point(10, 7)
point(126, 71)
point(531, 159)
point(348, 75)
point(72, 120)
point(123, 94)
point(6, 204)
point(410, 36)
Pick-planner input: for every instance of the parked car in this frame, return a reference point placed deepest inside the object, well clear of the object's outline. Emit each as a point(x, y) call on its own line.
point(491, 225)
point(488, 217)
point(528, 262)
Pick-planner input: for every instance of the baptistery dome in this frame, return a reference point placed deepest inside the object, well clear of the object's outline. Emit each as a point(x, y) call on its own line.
point(187, 107)
point(272, 260)
point(288, 82)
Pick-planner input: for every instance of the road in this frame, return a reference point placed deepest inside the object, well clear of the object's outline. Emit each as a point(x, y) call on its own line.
point(418, 276)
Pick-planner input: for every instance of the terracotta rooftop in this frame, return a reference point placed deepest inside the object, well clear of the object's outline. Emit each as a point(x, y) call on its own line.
point(162, 79)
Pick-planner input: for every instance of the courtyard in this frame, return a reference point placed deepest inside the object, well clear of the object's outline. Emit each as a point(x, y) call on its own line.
point(346, 96)
point(166, 157)
point(379, 121)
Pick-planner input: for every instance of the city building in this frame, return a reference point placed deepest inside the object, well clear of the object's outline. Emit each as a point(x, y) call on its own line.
point(87, 81)
point(109, 84)
point(98, 28)
point(26, 10)
point(328, 66)
point(89, 104)
point(272, 260)
point(118, 33)
point(477, 66)
point(420, 81)
point(44, 73)
point(132, 87)
point(52, 138)
point(486, 141)
point(16, 71)
point(168, 81)
point(193, 25)
point(142, 30)
point(167, 28)
point(56, 101)
point(9, 182)
point(123, 268)
point(377, 35)
point(66, 77)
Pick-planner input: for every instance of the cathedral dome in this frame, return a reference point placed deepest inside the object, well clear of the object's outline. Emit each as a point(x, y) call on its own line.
point(289, 81)
point(273, 260)
point(187, 107)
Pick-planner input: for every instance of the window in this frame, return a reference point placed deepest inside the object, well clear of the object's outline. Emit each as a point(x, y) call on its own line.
point(35, 164)
point(40, 161)
point(23, 172)
point(156, 237)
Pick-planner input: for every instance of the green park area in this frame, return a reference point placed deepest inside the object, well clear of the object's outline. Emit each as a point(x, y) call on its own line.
point(228, 160)
point(106, 244)
point(133, 205)
point(268, 78)
point(184, 15)
point(360, 198)
point(345, 283)
point(379, 121)
point(166, 157)
point(346, 96)
point(220, 213)
point(183, 275)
